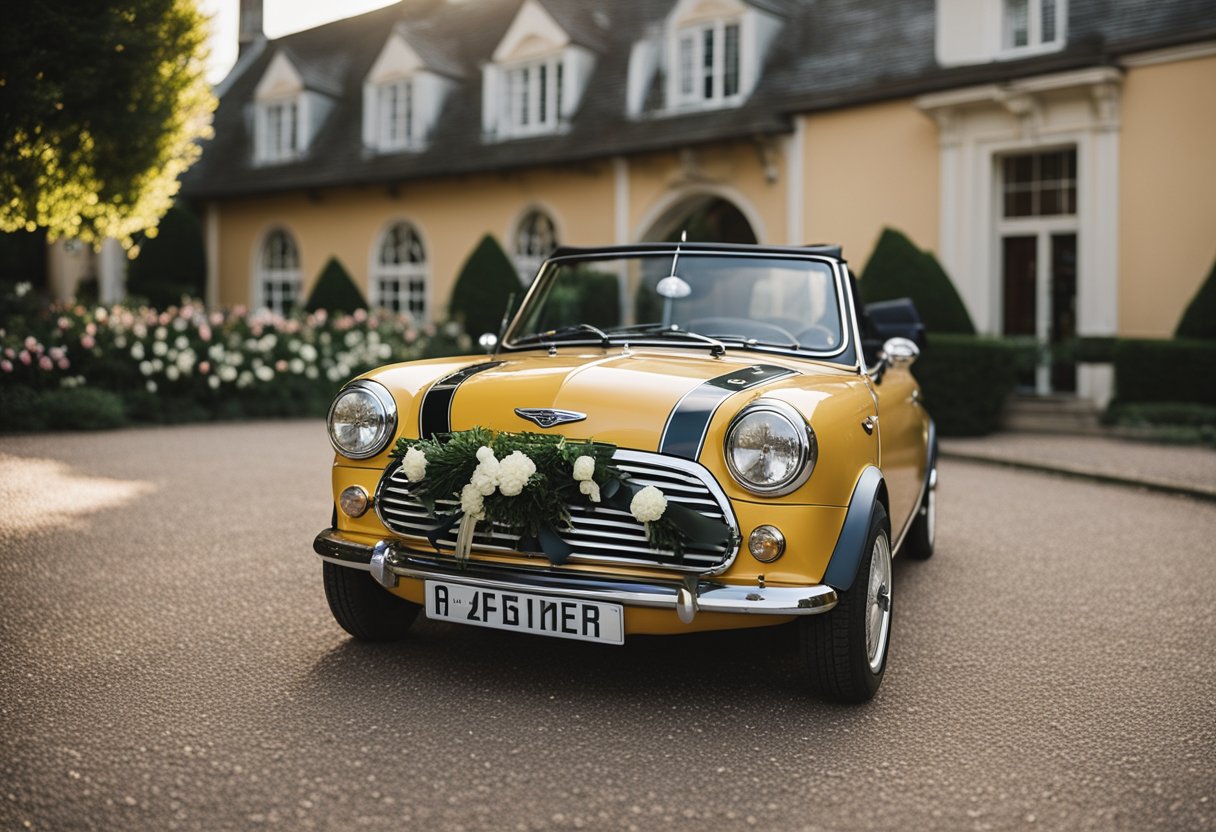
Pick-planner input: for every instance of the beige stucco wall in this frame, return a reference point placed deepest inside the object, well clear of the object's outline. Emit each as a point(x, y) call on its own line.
point(870, 167)
point(1167, 173)
point(451, 215)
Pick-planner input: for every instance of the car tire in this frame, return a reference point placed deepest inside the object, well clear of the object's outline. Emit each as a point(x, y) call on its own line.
point(922, 535)
point(365, 609)
point(835, 646)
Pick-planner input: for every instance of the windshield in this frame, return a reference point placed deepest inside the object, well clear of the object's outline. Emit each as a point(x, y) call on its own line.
point(773, 301)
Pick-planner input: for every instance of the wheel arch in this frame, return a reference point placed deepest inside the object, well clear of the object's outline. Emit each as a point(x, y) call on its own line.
point(870, 490)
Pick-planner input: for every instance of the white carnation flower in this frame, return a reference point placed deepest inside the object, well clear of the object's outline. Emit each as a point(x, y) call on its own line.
point(472, 502)
point(414, 465)
point(584, 469)
point(590, 488)
point(486, 474)
point(648, 505)
point(513, 473)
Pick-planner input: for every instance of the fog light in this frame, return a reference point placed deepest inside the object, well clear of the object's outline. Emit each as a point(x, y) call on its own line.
point(766, 543)
point(354, 501)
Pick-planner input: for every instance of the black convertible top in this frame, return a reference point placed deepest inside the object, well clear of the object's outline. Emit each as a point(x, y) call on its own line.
point(825, 250)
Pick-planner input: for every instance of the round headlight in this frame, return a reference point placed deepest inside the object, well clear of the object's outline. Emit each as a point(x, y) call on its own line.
point(770, 449)
point(362, 420)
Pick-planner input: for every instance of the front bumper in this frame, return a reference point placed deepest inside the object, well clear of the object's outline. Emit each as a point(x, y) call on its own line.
point(389, 560)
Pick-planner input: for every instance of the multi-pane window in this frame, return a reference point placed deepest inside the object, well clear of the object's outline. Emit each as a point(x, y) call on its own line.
point(401, 267)
point(535, 239)
point(708, 63)
point(1040, 184)
point(395, 110)
point(1032, 23)
point(279, 273)
point(281, 125)
point(534, 96)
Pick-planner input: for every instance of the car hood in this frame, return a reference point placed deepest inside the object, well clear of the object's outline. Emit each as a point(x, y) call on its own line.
point(627, 398)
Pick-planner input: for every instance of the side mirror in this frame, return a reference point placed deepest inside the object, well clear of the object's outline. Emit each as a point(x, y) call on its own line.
point(900, 352)
point(488, 341)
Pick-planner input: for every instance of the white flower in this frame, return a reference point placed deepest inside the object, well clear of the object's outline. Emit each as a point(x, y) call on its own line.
point(414, 465)
point(244, 379)
point(160, 333)
point(648, 505)
point(590, 488)
point(584, 469)
point(145, 367)
point(472, 502)
point(159, 348)
point(513, 473)
point(213, 382)
point(137, 351)
point(308, 352)
point(172, 373)
point(485, 475)
point(181, 342)
point(264, 373)
point(22, 289)
point(228, 374)
point(150, 386)
point(296, 366)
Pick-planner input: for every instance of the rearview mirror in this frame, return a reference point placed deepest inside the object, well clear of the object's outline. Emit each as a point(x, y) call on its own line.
point(488, 341)
point(900, 352)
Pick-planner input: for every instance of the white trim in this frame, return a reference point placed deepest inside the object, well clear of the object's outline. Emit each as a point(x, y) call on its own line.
point(532, 31)
point(258, 300)
point(795, 158)
point(517, 260)
point(1189, 52)
point(374, 266)
point(671, 199)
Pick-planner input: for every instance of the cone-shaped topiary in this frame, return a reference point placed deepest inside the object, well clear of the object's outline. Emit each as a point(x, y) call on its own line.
point(480, 295)
point(172, 264)
point(1199, 319)
point(335, 291)
point(898, 269)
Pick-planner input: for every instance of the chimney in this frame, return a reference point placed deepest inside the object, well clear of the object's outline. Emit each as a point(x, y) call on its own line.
point(250, 25)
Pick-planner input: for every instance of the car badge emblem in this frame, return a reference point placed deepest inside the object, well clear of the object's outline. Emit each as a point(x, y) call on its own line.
point(547, 417)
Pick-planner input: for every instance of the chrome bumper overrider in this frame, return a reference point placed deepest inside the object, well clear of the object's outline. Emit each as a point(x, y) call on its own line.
point(389, 560)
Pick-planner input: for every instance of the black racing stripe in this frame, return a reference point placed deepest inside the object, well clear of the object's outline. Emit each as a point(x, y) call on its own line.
point(684, 433)
point(435, 414)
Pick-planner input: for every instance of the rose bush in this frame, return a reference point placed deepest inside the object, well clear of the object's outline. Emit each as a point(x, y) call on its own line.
point(188, 363)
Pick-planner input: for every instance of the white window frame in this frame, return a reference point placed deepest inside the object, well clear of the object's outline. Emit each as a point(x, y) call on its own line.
point(281, 128)
point(692, 70)
point(396, 129)
point(1034, 27)
point(527, 253)
point(410, 279)
point(533, 99)
point(278, 284)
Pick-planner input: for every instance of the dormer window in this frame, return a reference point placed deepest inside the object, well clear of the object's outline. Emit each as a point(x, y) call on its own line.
point(534, 91)
point(396, 105)
point(1030, 24)
point(281, 122)
point(537, 74)
point(287, 113)
point(709, 62)
point(404, 92)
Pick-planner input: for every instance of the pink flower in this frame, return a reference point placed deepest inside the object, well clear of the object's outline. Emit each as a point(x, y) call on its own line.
point(31, 343)
point(6, 365)
point(64, 323)
point(256, 329)
point(91, 329)
point(217, 318)
point(45, 363)
point(281, 365)
point(87, 342)
point(204, 332)
point(57, 353)
point(25, 357)
point(204, 367)
point(8, 353)
point(360, 315)
point(63, 363)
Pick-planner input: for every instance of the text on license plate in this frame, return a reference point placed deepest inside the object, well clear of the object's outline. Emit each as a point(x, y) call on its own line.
point(520, 611)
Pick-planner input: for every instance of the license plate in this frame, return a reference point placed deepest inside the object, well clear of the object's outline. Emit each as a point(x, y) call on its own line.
point(544, 615)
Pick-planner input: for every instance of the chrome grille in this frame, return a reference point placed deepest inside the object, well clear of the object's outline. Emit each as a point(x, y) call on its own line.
point(600, 535)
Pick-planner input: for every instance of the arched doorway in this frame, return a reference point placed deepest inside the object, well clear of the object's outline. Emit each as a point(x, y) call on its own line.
point(705, 218)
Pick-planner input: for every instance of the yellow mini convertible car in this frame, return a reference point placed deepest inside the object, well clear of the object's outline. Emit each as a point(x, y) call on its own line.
point(665, 438)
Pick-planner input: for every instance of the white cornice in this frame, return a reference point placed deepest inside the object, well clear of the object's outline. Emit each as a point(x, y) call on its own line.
point(1175, 53)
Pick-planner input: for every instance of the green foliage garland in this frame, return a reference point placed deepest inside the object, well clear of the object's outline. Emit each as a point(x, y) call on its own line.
point(541, 507)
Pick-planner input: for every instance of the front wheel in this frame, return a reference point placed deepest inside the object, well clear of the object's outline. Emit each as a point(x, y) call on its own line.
point(365, 609)
point(845, 650)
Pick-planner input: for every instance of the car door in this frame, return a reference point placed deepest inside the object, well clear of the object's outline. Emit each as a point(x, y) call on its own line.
point(902, 432)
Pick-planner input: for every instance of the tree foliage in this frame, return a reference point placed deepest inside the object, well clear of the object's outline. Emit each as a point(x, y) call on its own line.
point(486, 281)
point(898, 269)
point(171, 265)
point(101, 107)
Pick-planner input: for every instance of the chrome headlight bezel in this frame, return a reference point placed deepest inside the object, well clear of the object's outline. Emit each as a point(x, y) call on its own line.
point(386, 429)
point(808, 450)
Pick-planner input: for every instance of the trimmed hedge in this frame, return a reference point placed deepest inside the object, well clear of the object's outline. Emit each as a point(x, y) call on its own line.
point(171, 265)
point(81, 408)
point(898, 269)
point(966, 380)
point(1165, 371)
point(1199, 319)
point(335, 290)
point(486, 282)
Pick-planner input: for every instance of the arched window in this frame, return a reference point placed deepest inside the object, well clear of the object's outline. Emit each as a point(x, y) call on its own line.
point(535, 239)
point(401, 272)
point(279, 273)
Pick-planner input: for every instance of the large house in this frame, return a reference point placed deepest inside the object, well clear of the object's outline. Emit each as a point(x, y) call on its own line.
point(1056, 155)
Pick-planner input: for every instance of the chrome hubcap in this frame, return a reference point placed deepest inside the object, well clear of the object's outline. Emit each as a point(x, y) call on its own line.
point(878, 602)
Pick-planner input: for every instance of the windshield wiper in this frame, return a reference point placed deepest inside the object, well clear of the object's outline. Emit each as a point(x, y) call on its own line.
point(669, 330)
point(564, 333)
